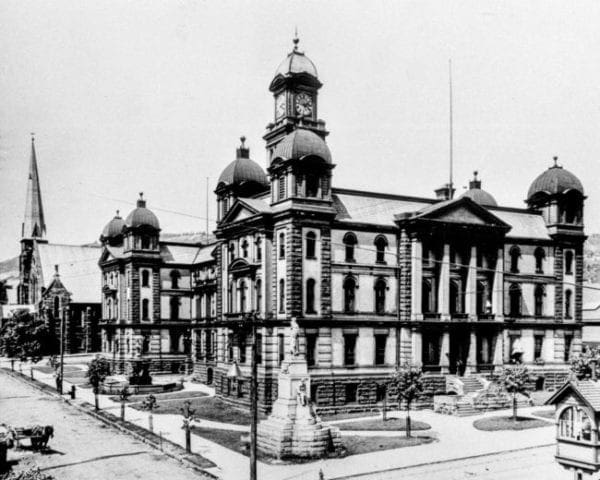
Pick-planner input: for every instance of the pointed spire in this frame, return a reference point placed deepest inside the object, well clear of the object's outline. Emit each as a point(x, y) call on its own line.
point(296, 39)
point(34, 225)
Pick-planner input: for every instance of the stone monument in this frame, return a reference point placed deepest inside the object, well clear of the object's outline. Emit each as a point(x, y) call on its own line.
point(293, 429)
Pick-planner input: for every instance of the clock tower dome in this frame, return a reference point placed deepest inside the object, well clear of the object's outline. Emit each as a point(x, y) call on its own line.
point(295, 88)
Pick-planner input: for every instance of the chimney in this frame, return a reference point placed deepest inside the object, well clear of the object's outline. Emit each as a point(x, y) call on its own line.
point(445, 192)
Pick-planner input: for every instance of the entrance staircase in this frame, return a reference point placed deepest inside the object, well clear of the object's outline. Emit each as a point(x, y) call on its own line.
point(472, 395)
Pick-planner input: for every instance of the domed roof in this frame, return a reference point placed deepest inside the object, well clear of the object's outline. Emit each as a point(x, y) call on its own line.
point(553, 181)
point(478, 195)
point(141, 216)
point(302, 143)
point(114, 228)
point(295, 63)
point(243, 170)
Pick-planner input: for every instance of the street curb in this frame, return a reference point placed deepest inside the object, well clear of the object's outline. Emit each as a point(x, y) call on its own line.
point(439, 462)
point(45, 388)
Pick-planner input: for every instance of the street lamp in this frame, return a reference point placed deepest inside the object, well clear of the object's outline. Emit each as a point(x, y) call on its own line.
point(234, 372)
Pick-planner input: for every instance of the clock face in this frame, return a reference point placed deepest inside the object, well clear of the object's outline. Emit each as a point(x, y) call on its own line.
point(280, 106)
point(304, 104)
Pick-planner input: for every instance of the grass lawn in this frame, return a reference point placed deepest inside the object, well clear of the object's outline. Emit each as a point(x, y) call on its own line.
point(47, 369)
point(209, 408)
point(353, 444)
point(391, 424)
point(344, 416)
point(492, 424)
point(163, 396)
point(544, 413)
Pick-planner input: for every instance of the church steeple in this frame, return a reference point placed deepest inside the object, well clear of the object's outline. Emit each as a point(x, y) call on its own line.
point(34, 225)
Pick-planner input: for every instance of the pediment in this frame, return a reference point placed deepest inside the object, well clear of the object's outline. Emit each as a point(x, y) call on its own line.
point(240, 210)
point(459, 215)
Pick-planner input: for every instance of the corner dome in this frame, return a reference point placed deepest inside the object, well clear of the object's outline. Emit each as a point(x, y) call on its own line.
point(478, 195)
point(243, 170)
point(554, 181)
point(114, 228)
point(141, 216)
point(302, 143)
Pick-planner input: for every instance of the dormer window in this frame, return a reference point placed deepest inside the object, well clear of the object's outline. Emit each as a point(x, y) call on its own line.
point(350, 243)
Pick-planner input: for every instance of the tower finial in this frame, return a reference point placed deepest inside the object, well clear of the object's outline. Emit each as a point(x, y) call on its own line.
point(555, 158)
point(141, 195)
point(296, 39)
point(475, 173)
point(243, 140)
point(117, 213)
point(32, 137)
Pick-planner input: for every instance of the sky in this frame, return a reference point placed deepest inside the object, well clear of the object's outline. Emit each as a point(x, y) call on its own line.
point(153, 96)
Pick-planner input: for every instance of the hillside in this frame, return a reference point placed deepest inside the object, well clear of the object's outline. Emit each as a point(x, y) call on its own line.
point(591, 262)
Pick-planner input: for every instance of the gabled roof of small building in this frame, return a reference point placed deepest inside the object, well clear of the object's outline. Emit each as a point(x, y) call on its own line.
point(587, 390)
point(78, 269)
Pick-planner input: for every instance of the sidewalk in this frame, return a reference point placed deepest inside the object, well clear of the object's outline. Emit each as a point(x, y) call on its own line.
point(457, 438)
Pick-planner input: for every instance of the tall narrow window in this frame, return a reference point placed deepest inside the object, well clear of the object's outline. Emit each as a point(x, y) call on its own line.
point(242, 347)
point(231, 252)
point(145, 278)
point(56, 311)
point(145, 308)
point(145, 343)
point(568, 303)
point(258, 249)
point(225, 205)
point(538, 346)
point(174, 304)
point(209, 344)
point(380, 246)
point(514, 293)
point(281, 245)
point(282, 296)
point(230, 347)
point(569, 262)
point(349, 295)
point(245, 249)
point(281, 347)
point(539, 255)
point(259, 348)
point(258, 293)
point(230, 298)
point(380, 288)
point(242, 295)
point(380, 342)
point(350, 349)
point(310, 296)
point(145, 242)
point(175, 278)
point(350, 244)
point(427, 297)
point(515, 254)
point(311, 349)
point(281, 187)
point(567, 352)
point(312, 185)
point(311, 242)
point(455, 297)
point(539, 300)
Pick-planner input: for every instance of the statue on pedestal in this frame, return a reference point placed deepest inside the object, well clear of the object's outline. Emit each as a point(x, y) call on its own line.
point(294, 338)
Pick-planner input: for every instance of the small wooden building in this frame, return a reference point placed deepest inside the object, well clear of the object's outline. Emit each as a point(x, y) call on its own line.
point(577, 419)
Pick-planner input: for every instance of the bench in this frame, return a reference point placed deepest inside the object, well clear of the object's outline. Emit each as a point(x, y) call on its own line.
point(38, 435)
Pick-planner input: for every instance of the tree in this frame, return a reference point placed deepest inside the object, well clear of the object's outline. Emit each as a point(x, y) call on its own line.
point(514, 380)
point(25, 337)
point(584, 365)
point(408, 381)
point(124, 394)
point(150, 404)
point(98, 370)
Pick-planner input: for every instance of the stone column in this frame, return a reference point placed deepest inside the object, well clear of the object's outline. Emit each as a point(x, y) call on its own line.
point(472, 358)
point(445, 352)
point(471, 288)
point(444, 285)
point(498, 351)
point(416, 278)
point(417, 347)
point(498, 287)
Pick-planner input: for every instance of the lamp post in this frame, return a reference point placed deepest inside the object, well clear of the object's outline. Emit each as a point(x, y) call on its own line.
point(235, 373)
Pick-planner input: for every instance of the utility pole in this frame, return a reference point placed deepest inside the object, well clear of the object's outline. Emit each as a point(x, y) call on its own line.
point(253, 400)
point(62, 350)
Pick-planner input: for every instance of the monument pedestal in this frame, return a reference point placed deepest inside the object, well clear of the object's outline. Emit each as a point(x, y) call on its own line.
point(293, 429)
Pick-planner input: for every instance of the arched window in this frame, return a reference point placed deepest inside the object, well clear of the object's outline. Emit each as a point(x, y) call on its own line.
point(145, 344)
point(230, 298)
point(539, 255)
point(258, 249)
point(350, 242)
point(380, 246)
point(282, 245)
point(310, 296)
point(242, 295)
point(245, 249)
point(515, 254)
point(568, 304)
point(145, 308)
point(145, 278)
point(56, 312)
point(311, 244)
point(455, 297)
point(231, 252)
point(569, 262)
point(380, 288)
point(174, 306)
point(282, 296)
point(481, 298)
point(349, 295)
point(258, 295)
point(175, 275)
point(539, 294)
point(145, 242)
point(575, 423)
point(312, 185)
point(426, 299)
point(514, 293)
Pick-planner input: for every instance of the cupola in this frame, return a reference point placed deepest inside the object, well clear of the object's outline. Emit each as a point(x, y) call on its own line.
point(113, 231)
point(478, 195)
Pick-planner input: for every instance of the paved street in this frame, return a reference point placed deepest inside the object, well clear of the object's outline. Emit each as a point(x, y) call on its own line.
point(82, 446)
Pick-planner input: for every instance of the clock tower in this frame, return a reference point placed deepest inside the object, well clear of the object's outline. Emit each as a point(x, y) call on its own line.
point(295, 90)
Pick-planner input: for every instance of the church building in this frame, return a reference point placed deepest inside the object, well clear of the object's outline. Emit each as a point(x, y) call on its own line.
point(458, 285)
